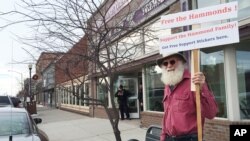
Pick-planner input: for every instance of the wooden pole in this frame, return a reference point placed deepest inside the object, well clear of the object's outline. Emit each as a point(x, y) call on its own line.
point(196, 68)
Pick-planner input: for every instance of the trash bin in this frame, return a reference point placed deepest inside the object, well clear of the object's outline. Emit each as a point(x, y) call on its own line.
point(31, 107)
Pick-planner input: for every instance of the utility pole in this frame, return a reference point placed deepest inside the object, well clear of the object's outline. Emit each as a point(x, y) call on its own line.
point(30, 95)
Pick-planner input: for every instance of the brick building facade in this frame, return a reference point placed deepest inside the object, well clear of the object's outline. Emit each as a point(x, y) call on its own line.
point(44, 60)
point(71, 79)
point(227, 68)
point(224, 78)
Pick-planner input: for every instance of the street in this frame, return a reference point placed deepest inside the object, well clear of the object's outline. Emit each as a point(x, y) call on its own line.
point(61, 125)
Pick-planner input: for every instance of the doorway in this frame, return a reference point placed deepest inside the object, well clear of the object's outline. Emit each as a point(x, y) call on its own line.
point(131, 84)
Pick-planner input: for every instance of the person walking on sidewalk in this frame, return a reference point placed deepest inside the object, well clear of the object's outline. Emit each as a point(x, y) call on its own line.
point(179, 119)
point(122, 96)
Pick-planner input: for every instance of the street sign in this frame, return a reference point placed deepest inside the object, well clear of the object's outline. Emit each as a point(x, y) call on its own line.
point(35, 77)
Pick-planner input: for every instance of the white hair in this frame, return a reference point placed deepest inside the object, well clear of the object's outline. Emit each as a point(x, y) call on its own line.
point(172, 77)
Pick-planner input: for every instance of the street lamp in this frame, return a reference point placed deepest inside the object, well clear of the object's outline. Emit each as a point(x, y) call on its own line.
point(30, 68)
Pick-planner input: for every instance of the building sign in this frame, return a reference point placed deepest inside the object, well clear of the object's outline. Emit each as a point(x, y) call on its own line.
point(115, 8)
point(146, 10)
point(149, 8)
point(202, 15)
point(206, 37)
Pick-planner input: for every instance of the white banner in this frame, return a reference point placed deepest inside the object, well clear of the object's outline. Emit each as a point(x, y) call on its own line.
point(206, 37)
point(202, 15)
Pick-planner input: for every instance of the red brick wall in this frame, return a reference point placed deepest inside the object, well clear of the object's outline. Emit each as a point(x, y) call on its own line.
point(75, 111)
point(151, 118)
point(44, 60)
point(73, 64)
point(214, 130)
point(100, 112)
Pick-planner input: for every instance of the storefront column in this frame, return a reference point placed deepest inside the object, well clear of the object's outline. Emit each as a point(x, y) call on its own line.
point(109, 98)
point(144, 89)
point(233, 109)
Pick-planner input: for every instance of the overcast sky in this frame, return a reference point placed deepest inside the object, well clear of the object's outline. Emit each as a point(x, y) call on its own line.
point(11, 52)
point(14, 59)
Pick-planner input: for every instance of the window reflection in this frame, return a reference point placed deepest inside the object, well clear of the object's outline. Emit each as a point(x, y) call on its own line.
point(152, 34)
point(102, 90)
point(205, 3)
point(212, 65)
point(244, 9)
point(122, 51)
point(243, 73)
point(154, 88)
point(13, 123)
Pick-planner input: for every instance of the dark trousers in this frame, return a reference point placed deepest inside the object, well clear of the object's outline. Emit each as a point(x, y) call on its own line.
point(192, 137)
point(124, 109)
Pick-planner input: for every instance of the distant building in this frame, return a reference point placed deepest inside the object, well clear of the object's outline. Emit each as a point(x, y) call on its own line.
point(45, 72)
point(227, 67)
point(71, 79)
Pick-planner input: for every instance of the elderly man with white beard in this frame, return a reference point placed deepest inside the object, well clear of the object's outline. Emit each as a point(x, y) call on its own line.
point(179, 121)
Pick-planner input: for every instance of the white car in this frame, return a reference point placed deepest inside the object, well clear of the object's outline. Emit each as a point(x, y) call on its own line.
point(17, 125)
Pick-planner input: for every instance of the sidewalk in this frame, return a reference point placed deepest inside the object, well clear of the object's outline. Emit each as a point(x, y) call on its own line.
point(61, 125)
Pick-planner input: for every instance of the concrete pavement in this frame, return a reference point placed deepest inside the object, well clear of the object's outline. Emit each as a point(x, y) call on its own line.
point(61, 125)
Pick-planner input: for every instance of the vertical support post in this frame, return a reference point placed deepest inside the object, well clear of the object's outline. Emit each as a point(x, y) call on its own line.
point(196, 68)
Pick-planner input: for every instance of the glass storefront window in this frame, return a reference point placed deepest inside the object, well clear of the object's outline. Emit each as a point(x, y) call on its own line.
point(86, 93)
point(154, 88)
point(243, 74)
point(77, 93)
point(212, 65)
point(205, 3)
point(64, 96)
point(152, 32)
point(244, 9)
point(70, 95)
point(73, 97)
point(67, 95)
point(102, 91)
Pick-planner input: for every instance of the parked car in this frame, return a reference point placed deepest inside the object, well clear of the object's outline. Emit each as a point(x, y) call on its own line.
point(5, 101)
point(16, 102)
point(17, 125)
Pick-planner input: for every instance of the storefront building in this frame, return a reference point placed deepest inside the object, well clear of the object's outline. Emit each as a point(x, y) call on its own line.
point(227, 67)
point(143, 40)
point(71, 84)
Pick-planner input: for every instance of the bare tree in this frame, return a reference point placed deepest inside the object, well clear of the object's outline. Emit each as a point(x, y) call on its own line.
point(60, 24)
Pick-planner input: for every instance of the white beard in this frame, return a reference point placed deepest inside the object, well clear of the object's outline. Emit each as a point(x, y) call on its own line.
point(172, 77)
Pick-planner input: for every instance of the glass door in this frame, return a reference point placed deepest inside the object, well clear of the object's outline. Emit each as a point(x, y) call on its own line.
point(131, 85)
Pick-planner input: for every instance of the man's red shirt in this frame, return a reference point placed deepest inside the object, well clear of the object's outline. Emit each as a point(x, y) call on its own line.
point(180, 108)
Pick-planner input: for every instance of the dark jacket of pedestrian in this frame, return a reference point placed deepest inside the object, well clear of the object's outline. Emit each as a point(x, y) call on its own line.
point(122, 97)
